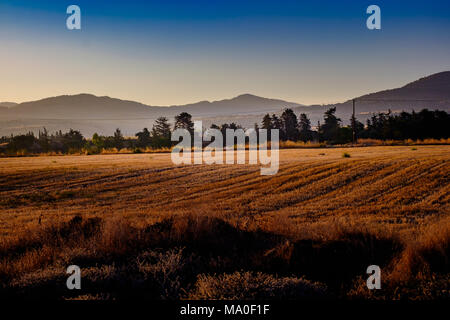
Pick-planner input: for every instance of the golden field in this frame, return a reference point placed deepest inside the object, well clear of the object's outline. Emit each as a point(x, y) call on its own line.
point(141, 226)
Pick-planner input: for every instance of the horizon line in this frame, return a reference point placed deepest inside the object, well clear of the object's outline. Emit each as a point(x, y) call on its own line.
point(210, 101)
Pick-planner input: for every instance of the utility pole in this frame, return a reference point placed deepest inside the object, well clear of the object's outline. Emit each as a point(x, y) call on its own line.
point(353, 122)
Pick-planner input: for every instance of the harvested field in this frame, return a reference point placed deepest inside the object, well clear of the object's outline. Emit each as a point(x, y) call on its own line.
point(137, 221)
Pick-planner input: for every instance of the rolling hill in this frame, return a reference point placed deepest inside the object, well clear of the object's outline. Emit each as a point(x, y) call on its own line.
point(90, 113)
point(88, 106)
point(432, 92)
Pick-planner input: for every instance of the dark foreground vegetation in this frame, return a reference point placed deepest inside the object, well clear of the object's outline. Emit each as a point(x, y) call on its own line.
point(384, 126)
point(198, 257)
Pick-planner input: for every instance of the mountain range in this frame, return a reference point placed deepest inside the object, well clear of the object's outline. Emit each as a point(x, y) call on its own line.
point(88, 106)
point(90, 113)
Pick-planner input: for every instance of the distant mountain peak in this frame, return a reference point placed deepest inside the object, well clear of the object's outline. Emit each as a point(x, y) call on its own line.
point(246, 95)
point(437, 79)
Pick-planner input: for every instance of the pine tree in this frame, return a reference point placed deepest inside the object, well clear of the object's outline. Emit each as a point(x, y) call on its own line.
point(184, 121)
point(161, 133)
point(161, 128)
point(329, 131)
point(118, 139)
point(289, 125)
point(267, 122)
point(304, 125)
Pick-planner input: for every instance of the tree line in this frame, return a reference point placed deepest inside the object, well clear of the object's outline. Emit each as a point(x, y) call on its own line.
point(385, 126)
point(74, 142)
point(421, 125)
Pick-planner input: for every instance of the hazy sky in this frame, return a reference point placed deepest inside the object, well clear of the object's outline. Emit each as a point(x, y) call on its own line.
point(176, 52)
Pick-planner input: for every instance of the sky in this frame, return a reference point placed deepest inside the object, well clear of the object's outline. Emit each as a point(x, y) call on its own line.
point(176, 52)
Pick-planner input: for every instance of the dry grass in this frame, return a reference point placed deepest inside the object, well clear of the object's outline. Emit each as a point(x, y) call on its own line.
point(141, 227)
point(363, 142)
point(376, 142)
point(249, 286)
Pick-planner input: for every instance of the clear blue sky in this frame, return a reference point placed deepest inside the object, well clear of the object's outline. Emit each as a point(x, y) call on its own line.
point(176, 52)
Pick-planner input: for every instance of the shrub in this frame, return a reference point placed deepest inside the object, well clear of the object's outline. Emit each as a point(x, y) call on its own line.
point(166, 269)
point(251, 286)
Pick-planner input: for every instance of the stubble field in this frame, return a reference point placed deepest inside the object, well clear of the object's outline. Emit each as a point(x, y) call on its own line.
point(139, 226)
